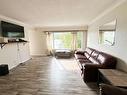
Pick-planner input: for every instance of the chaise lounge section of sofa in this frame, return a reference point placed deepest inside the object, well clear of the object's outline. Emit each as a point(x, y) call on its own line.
point(112, 90)
point(90, 60)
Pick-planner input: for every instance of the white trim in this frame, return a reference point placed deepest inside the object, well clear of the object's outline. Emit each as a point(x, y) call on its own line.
point(12, 20)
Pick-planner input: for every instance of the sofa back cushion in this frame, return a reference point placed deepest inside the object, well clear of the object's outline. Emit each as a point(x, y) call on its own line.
point(87, 55)
point(106, 59)
point(89, 50)
point(94, 60)
point(95, 54)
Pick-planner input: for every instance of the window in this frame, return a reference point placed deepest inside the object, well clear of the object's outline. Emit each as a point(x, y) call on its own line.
point(67, 40)
point(62, 40)
point(107, 37)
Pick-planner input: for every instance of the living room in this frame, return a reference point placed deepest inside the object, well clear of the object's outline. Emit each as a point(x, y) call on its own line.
point(49, 17)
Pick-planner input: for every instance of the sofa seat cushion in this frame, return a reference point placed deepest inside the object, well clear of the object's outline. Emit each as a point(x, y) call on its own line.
point(83, 61)
point(79, 56)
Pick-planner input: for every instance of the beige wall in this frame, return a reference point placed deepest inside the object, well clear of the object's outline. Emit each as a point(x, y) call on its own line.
point(38, 45)
point(15, 53)
point(120, 47)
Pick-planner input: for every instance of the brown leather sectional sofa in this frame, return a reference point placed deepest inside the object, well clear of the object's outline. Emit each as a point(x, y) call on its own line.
point(91, 60)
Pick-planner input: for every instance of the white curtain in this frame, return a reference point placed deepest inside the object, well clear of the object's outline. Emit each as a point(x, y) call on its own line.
point(49, 39)
point(74, 40)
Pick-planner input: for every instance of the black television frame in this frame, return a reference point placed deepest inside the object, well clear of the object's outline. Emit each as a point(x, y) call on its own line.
point(11, 30)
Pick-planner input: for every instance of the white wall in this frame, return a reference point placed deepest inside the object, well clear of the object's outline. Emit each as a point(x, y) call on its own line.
point(15, 53)
point(120, 47)
point(38, 44)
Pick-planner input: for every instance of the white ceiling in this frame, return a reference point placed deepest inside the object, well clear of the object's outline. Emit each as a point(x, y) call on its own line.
point(54, 12)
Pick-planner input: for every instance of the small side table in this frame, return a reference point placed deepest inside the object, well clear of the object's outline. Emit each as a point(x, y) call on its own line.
point(113, 76)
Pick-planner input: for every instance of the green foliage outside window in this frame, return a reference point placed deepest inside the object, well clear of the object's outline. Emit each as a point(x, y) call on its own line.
point(64, 40)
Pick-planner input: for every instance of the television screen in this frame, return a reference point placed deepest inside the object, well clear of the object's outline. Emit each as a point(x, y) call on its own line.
point(12, 30)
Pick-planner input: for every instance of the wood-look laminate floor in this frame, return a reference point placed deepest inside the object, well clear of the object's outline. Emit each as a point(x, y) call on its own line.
point(46, 76)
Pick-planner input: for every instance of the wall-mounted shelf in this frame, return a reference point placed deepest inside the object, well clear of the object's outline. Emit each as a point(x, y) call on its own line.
point(9, 42)
point(2, 44)
point(17, 41)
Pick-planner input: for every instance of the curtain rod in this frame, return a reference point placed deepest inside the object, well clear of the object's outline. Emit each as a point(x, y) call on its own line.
point(107, 30)
point(65, 31)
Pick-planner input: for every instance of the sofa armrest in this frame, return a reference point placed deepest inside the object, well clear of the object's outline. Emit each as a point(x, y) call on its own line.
point(92, 66)
point(96, 66)
point(112, 90)
point(80, 52)
point(90, 72)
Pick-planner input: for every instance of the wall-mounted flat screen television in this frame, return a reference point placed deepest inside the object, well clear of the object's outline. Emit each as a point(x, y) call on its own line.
point(11, 30)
